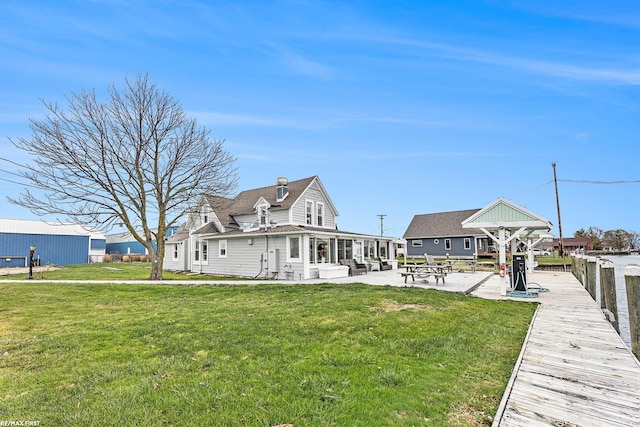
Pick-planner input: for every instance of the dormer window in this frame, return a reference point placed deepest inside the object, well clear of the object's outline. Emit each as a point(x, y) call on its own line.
point(262, 215)
point(282, 189)
point(262, 211)
point(281, 193)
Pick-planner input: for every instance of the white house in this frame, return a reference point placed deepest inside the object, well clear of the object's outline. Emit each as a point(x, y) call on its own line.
point(284, 231)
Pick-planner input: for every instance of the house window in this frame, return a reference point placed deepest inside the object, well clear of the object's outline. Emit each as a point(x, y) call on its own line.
point(369, 248)
point(222, 248)
point(322, 251)
point(175, 251)
point(309, 205)
point(320, 209)
point(416, 243)
point(447, 244)
point(294, 248)
point(196, 256)
point(206, 218)
point(204, 251)
point(467, 244)
point(281, 192)
point(263, 213)
point(345, 250)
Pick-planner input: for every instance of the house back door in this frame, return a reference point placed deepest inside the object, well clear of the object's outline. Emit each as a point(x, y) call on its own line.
point(357, 251)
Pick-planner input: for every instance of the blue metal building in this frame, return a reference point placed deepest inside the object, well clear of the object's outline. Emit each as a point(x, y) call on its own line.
point(124, 243)
point(55, 243)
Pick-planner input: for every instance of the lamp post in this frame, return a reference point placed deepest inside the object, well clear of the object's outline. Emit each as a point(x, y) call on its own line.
point(32, 249)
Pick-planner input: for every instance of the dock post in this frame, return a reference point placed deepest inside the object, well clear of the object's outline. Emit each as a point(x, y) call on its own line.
point(609, 300)
point(590, 276)
point(632, 281)
point(582, 266)
point(576, 267)
point(573, 264)
point(602, 262)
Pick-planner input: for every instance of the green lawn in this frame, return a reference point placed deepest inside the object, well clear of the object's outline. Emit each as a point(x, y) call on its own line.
point(107, 271)
point(308, 355)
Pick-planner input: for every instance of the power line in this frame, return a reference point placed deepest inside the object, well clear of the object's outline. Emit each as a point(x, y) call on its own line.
point(584, 181)
point(12, 162)
point(16, 182)
point(531, 189)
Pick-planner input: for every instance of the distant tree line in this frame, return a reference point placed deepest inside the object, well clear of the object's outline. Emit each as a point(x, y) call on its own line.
point(616, 240)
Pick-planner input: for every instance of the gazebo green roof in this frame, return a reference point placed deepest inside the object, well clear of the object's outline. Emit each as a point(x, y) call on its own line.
point(505, 214)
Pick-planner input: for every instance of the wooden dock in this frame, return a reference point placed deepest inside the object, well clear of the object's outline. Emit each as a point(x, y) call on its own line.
point(574, 369)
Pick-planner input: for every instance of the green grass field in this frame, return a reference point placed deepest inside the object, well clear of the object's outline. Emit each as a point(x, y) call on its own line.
point(306, 355)
point(108, 271)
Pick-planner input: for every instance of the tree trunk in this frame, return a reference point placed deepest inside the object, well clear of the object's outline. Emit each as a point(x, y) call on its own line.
point(157, 258)
point(156, 267)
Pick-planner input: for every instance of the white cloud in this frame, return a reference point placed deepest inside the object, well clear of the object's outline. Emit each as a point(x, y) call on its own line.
point(299, 64)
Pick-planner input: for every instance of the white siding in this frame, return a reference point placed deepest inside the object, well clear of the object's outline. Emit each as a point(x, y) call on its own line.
point(179, 264)
point(245, 255)
point(281, 216)
point(315, 195)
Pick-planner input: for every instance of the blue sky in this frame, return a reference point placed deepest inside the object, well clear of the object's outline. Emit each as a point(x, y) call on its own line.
point(401, 108)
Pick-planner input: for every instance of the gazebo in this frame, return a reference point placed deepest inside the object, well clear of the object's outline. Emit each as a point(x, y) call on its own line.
point(505, 222)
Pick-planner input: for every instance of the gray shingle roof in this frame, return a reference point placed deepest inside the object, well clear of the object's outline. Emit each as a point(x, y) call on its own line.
point(180, 235)
point(243, 203)
point(443, 224)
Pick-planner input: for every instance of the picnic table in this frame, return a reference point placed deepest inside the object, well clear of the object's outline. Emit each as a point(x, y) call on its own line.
point(423, 271)
point(462, 264)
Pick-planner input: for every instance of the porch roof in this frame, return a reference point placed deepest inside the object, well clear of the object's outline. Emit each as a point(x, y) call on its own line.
point(291, 229)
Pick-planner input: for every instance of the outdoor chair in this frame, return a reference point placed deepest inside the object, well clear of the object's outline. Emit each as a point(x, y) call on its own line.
point(384, 265)
point(354, 266)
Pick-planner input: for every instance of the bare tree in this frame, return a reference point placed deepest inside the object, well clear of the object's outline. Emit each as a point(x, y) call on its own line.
point(135, 160)
point(594, 233)
point(634, 240)
point(618, 240)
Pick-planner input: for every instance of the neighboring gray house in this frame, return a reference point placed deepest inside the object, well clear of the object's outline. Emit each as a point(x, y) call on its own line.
point(441, 234)
point(284, 231)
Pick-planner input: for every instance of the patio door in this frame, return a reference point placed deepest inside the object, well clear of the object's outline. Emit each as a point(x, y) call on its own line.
point(357, 251)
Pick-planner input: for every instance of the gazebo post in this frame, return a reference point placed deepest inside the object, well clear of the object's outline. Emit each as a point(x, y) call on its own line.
point(504, 280)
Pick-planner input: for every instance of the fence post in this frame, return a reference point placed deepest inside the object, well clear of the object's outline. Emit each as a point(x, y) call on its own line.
point(632, 281)
point(590, 277)
point(609, 299)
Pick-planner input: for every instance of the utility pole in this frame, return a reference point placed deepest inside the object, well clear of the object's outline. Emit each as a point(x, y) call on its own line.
point(381, 216)
point(555, 181)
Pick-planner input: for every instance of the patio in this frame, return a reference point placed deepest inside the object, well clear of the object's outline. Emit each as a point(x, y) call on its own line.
point(454, 282)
